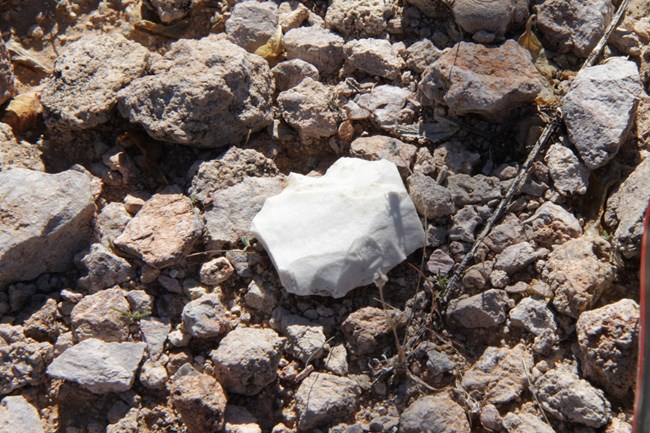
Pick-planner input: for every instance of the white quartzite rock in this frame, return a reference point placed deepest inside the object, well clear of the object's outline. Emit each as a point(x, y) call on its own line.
point(328, 235)
point(599, 109)
point(98, 366)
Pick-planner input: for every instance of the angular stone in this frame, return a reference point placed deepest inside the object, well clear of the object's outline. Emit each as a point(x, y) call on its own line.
point(94, 316)
point(479, 189)
point(82, 92)
point(358, 18)
point(464, 223)
point(251, 24)
point(25, 356)
point(573, 26)
point(149, 235)
point(518, 256)
point(533, 315)
point(200, 401)
point(440, 263)
point(98, 366)
point(484, 310)
point(291, 73)
point(17, 154)
point(430, 199)
point(608, 339)
point(565, 396)
point(45, 221)
point(17, 414)
point(247, 360)
point(110, 223)
point(315, 45)
point(369, 329)
point(306, 339)
point(600, 107)
point(383, 147)
point(553, 225)
point(374, 57)
point(331, 234)
point(421, 54)
point(207, 93)
point(492, 16)
point(490, 81)
point(434, 414)
point(7, 85)
point(569, 175)
point(626, 209)
point(155, 332)
point(499, 376)
point(102, 268)
point(390, 106)
point(324, 397)
point(505, 234)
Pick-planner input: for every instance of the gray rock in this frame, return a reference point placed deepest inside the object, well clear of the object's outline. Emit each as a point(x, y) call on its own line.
point(247, 360)
point(110, 223)
point(358, 18)
point(436, 236)
point(505, 234)
point(430, 199)
point(7, 85)
point(434, 414)
point(45, 221)
point(94, 316)
point(240, 420)
point(525, 423)
point(389, 105)
point(139, 300)
point(464, 223)
point(553, 225)
point(317, 46)
point(261, 296)
point(322, 398)
point(98, 366)
point(533, 315)
point(569, 175)
point(227, 170)
point(456, 156)
point(493, 16)
point(477, 189)
point(101, 268)
point(22, 362)
point(518, 256)
point(574, 26)
point(336, 360)
point(578, 272)
point(171, 10)
point(600, 107)
point(478, 275)
point(82, 92)
point(384, 147)
point(291, 73)
point(306, 339)
point(251, 24)
point(369, 329)
point(197, 85)
point(484, 310)
point(499, 376)
point(421, 54)
point(216, 271)
point(440, 263)
point(229, 216)
point(565, 396)
point(608, 339)
point(154, 331)
point(626, 209)
point(150, 237)
point(472, 78)
point(199, 399)
point(374, 57)
point(17, 414)
point(17, 154)
point(153, 375)
point(205, 317)
point(45, 323)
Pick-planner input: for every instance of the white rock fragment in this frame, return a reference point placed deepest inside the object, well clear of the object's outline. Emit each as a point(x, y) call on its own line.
point(331, 234)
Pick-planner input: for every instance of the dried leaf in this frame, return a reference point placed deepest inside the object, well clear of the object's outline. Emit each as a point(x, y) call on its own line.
point(528, 39)
point(273, 47)
point(23, 111)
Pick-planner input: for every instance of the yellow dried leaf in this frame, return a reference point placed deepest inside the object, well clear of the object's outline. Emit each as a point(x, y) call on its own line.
point(528, 39)
point(273, 47)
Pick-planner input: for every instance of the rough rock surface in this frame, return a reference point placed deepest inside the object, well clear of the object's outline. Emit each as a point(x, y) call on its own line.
point(199, 399)
point(383, 147)
point(216, 271)
point(490, 81)
point(304, 250)
point(374, 57)
point(94, 317)
point(484, 310)
point(17, 413)
point(533, 315)
point(578, 271)
point(434, 414)
point(491, 16)
point(205, 317)
point(252, 23)
point(322, 398)
point(317, 46)
point(7, 85)
point(389, 106)
point(101, 268)
point(479, 189)
point(306, 339)
point(45, 221)
point(565, 396)
point(524, 423)
point(15, 154)
point(98, 366)
point(247, 360)
point(110, 223)
point(28, 357)
point(358, 18)
point(574, 26)
point(626, 209)
point(170, 11)
point(290, 73)
point(608, 339)
point(206, 93)
point(369, 329)
point(516, 257)
point(83, 91)
point(569, 175)
point(149, 235)
point(430, 199)
point(599, 109)
point(499, 375)
point(553, 225)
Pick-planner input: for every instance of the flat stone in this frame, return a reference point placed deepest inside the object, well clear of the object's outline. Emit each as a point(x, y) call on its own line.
point(430, 199)
point(98, 366)
point(434, 414)
point(384, 147)
point(17, 413)
point(46, 220)
point(94, 316)
point(517, 257)
point(389, 106)
point(322, 398)
point(101, 268)
point(110, 223)
point(358, 18)
point(509, 232)
point(440, 263)
point(200, 400)
point(363, 202)
point(569, 175)
point(479, 189)
point(472, 78)
point(600, 107)
point(247, 360)
point(484, 310)
point(150, 237)
point(315, 45)
point(608, 339)
point(205, 317)
point(154, 331)
point(251, 24)
point(375, 57)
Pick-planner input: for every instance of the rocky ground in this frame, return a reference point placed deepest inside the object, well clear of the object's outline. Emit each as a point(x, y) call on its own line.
point(139, 140)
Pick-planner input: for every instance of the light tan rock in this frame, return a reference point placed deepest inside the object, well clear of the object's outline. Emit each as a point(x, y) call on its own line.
point(94, 317)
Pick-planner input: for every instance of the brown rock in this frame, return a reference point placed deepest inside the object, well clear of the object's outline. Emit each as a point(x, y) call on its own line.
point(200, 401)
point(382, 147)
point(94, 317)
point(368, 329)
